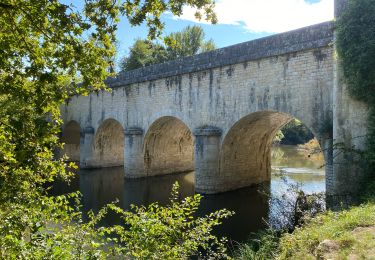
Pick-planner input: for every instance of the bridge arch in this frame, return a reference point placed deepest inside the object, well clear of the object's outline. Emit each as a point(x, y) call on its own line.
point(71, 135)
point(245, 154)
point(109, 144)
point(168, 147)
point(168, 113)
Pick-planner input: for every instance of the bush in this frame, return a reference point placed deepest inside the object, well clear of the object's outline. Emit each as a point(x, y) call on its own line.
point(54, 230)
point(264, 246)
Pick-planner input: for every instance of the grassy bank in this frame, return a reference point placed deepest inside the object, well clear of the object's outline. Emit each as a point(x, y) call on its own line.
point(332, 235)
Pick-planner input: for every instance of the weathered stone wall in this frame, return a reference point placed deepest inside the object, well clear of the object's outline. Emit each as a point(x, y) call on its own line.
point(286, 75)
point(349, 132)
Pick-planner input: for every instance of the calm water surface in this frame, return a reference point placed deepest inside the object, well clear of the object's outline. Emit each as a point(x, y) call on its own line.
point(253, 209)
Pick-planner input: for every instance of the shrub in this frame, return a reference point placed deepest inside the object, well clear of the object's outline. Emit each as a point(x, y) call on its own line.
point(50, 228)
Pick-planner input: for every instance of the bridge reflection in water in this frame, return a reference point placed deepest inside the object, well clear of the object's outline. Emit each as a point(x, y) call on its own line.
point(102, 186)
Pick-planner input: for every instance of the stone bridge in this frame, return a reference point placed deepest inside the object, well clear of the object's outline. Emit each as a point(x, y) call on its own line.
point(217, 113)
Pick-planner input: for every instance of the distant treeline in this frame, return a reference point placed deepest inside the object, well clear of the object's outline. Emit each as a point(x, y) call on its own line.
point(295, 133)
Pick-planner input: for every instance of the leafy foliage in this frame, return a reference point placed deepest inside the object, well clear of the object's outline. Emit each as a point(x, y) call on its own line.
point(188, 42)
point(55, 230)
point(46, 49)
point(264, 246)
point(42, 51)
point(171, 232)
point(356, 49)
point(49, 230)
point(294, 133)
point(144, 53)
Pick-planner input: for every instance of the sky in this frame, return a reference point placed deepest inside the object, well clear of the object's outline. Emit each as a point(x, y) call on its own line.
point(238, 20)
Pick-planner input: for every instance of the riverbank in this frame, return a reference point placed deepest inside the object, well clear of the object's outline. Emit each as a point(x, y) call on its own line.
point(349, 234)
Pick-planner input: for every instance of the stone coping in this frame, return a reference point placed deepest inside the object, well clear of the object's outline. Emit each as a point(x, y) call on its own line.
point(311, 37)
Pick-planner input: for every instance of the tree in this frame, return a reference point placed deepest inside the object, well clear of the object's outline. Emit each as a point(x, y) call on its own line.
point(143, 53)
point(189, 41)
point(295, 133)
point(46, 49)
point(356, 48)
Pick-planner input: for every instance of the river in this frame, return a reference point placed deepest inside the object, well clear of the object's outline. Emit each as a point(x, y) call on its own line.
point(253, 208)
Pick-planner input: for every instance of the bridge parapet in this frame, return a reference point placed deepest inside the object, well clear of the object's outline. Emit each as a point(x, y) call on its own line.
point(311, 37)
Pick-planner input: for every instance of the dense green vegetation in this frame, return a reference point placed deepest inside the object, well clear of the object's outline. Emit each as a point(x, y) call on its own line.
point(53, 229)
point(188, 42)
point(338, 228)
point(294, 133)
point(49, 51)
point(143, 53)
point(332, 235)
point(356, 49)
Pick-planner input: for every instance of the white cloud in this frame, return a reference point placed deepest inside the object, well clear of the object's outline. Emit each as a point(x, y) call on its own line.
point(272, 16)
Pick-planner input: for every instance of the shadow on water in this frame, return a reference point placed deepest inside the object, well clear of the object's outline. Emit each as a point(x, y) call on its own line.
point(102, 186)
point(252, 210)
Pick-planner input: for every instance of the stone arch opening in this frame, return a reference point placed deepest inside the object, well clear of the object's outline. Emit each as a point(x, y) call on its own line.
point(71, 136)
point(168, 147)
point(109, 144)
point(245, 156)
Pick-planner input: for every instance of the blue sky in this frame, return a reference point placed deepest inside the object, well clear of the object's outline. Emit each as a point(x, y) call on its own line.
point(239, 20)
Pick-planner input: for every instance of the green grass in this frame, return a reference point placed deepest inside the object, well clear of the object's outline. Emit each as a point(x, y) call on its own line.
point(263, 247)
point(351, 231)
point(304, 242)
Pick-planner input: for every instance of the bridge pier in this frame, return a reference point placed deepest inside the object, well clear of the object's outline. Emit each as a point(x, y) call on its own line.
point(207, 154)
point(133, 153)
point(87, 157)
point(349, 134)
point(326, 144)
